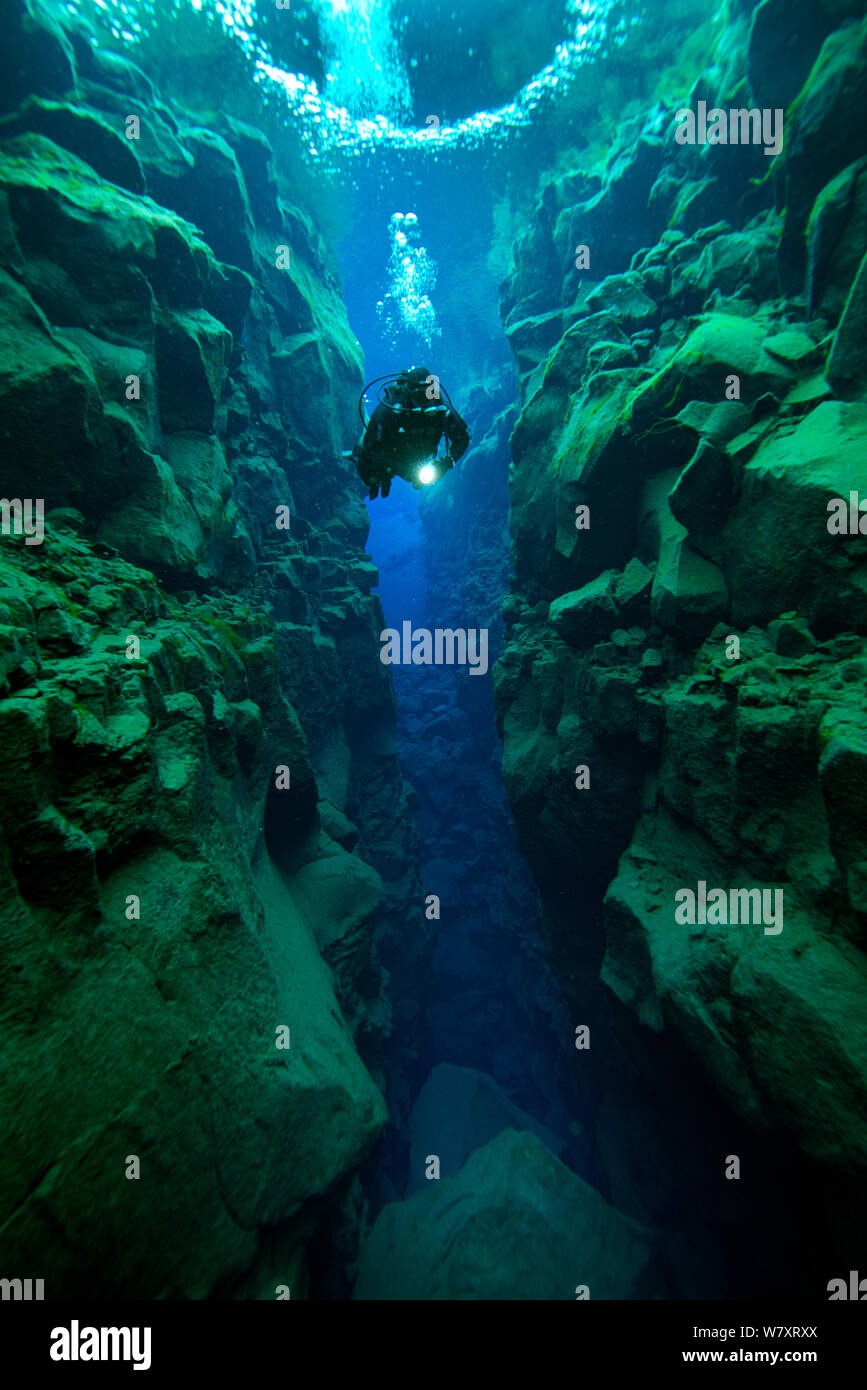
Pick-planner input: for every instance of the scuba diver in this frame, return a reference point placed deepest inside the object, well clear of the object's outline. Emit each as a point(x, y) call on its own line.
point(403, 435)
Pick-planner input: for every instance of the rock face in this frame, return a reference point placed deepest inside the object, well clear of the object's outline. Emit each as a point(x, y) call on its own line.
point(680, 692)
point(513, 1223)
point(197, 736)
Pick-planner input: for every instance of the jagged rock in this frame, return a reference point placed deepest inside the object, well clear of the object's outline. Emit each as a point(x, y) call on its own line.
point(794, 347)
point(175, 895)
point(785, 37)
point(842, 769)
point(603, 221)
point(702, 497)
point(736, 262)
point(107, 69)
point(560, 439)
point(130, 406)
point(624, 297)
point(84, 133)
point(715, 421)
point(791, 636)
point(192, 353)
point(57, 631)
point(572, 354)
point(37, 56)
point(339, 894)
point(199, 467)
point(689, 594)
point(158, 528)
point(144, 698)
point(42, 450)
point(337, 826)
point(835, 239)
point(606, 356)
point(586, 614)
point(531, 338)
point(166, 163)
point(256, 157)
point(652, 664)
point(725, 728)
point(803, 398)
point(779, 554)
point(721, 346)
point(690, 204)
point(632, 589)
point(847, 365)
point(214, 197)
point(107, 248)
point(512, 1223)
point(782, 987)
point(823, 134)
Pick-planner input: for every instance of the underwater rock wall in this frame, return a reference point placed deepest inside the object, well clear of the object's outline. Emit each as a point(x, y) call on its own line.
point(199, 776)
point(681, 691)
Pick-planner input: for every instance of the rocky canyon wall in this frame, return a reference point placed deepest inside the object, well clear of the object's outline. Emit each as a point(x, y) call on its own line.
point(202, 822)
point(681, 691)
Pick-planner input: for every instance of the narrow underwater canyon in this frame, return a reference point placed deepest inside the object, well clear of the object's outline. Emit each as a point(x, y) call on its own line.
point(326, 978)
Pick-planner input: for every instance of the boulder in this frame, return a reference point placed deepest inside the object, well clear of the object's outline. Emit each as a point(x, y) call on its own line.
point(689, 595)
point(458, 1111)
point(632, 589)
point(586, 614)
point(339, 894)
point(513, 1223)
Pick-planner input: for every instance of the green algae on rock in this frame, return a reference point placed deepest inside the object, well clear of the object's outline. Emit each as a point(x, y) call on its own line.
point(167, 906)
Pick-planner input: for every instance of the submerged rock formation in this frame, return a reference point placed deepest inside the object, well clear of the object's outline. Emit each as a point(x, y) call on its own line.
point(215, 931)
point(513, 1222)
point(681, 691)
point(199, 777)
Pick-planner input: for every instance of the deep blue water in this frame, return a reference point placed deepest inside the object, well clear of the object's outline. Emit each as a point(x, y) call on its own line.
point(492, 1002)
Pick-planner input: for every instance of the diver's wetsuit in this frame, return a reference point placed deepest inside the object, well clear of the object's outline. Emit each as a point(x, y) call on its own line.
point(406, 432)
